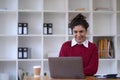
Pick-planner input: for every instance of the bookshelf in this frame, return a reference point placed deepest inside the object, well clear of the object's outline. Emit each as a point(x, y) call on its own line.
point(104, 21)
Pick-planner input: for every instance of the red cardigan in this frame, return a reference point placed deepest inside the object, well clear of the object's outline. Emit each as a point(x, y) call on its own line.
point(89, 55)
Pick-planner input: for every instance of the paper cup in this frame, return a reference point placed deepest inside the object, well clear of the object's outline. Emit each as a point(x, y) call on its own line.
point(36, 70)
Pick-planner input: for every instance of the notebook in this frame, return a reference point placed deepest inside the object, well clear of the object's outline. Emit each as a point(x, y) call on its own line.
point(66, 67)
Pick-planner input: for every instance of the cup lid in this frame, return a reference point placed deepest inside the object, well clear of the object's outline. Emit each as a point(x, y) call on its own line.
point(38, 66)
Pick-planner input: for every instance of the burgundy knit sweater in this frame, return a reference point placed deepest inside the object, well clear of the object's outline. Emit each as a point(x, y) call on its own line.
point(89, 55)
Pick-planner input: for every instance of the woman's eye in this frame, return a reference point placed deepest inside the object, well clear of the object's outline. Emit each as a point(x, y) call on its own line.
point(81, 31)
point(75, 31)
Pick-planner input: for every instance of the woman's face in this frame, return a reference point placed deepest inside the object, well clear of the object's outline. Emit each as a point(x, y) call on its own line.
point(79, 33)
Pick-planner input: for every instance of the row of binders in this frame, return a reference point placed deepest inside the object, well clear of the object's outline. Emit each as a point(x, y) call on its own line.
point(105, 48)
point(22, 28)
point(24, 53)
point(47, 29)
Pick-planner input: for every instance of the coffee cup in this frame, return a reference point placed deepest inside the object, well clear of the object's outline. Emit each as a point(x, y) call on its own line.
point(36, 70)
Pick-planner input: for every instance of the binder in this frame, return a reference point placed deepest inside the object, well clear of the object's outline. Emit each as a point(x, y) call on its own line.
point(45, 28)
point(20, 31)
point(69, 31)
point(50, 28)
point(24, 53)
point(22, 28)
point(25, 28)
point(20, 53)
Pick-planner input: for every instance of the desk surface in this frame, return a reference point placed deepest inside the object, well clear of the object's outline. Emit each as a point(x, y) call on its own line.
point(87, 78)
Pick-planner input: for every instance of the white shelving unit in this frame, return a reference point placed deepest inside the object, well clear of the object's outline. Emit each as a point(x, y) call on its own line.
point(54, 5)
point(34, 20)
point(103, 17)
point(75, 5)
point(58, 20)
point(9, 67)
point(9, 21)
point(30, 5)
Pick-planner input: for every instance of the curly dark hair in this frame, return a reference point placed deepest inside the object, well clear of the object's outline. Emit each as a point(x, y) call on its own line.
point(79, 20)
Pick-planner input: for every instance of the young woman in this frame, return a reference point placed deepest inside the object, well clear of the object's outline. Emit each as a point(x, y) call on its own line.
point(79, 46)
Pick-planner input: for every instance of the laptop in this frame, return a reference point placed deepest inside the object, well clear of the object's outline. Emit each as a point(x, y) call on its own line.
point(66, 67)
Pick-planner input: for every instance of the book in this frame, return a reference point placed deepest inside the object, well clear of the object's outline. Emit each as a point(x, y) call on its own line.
point(110, 49)
point(105, 48)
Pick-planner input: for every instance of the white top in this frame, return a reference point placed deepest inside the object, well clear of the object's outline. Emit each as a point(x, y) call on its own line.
point(74, 42)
